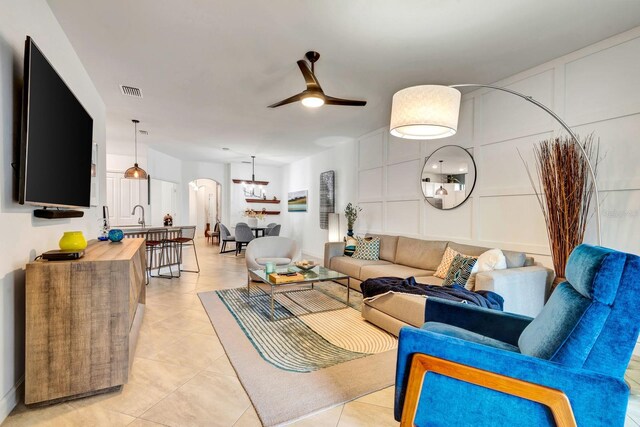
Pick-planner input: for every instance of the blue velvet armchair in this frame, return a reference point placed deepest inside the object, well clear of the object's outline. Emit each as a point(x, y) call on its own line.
point(478, 367)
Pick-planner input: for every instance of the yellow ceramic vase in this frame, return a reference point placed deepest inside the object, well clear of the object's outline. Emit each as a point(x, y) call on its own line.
point(73, 241)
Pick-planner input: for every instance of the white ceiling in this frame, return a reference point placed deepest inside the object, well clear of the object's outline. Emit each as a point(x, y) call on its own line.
point(209, 68)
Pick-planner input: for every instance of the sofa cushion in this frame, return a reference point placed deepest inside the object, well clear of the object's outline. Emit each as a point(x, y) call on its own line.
point(429, 280)
point(514, 259)
point(404, 307)
point(352, 266)
point(388, 246)
point(467, 249)
point(391, 270)
point(422, 254)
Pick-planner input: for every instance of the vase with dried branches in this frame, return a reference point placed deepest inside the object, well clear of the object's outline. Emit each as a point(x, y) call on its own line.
point(564, 191)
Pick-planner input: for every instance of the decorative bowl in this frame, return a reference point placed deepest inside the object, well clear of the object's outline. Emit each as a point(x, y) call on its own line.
point(116, 235)
point(305, 265)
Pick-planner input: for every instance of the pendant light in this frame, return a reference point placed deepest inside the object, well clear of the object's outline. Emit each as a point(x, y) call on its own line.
point(135, 172)
point(441, 191)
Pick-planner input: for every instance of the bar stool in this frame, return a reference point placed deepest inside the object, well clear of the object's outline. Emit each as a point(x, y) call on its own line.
point(156, 245)
point(186, 238)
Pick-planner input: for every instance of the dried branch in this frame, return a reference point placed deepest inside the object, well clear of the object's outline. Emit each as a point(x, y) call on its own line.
point(565, 194)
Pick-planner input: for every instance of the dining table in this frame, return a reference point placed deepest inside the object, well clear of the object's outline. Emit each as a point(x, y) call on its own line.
point(258, 231)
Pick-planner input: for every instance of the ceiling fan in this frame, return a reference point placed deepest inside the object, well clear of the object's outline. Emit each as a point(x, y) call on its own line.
point(313, 96)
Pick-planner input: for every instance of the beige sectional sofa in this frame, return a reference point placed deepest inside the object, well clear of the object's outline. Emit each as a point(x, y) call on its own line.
point(523, 285)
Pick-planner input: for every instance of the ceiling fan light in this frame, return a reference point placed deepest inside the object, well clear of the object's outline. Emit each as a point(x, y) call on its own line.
point(313, 101)
point(425, 112)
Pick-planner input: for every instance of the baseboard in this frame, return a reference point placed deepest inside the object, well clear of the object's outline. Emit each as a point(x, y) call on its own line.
point(10, 400)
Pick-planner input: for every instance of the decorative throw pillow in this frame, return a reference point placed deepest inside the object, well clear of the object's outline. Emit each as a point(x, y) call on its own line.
point(490, 260)
point(447, 258)
point(459, 271)
point(367, 248)
point(350, 246)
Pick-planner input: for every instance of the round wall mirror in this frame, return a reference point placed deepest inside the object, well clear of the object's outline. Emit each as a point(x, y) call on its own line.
point(448, 177)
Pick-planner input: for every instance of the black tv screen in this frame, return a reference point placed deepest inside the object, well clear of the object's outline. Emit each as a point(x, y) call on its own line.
point(57, 137)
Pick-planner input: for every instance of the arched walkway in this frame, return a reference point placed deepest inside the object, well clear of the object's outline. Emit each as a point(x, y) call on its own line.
point(204, 203)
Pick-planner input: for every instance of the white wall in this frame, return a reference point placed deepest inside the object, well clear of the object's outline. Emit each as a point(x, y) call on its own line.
point(304, 174)
point(595, 90)
point(23, 236)
point(202, 204)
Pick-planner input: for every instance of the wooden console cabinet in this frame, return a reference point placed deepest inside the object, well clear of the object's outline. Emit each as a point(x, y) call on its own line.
point(82, 321)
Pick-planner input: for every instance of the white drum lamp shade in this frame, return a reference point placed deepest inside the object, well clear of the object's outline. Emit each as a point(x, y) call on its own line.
point(334, 227)
point(425, 112)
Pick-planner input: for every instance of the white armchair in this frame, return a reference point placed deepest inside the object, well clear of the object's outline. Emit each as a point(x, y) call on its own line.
point(279, 250)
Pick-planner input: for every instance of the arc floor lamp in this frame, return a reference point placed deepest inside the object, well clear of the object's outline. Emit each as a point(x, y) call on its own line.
point(431, 112)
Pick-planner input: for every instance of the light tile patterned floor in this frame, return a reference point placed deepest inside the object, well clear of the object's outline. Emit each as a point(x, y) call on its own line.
point(182, 377)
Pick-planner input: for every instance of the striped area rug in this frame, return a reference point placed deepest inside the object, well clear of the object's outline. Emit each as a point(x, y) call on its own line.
point(310, 342)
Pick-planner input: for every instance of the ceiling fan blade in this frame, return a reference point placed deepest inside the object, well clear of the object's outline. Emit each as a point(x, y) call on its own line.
point(330, 100)
point(289, 100)
point(309, 77)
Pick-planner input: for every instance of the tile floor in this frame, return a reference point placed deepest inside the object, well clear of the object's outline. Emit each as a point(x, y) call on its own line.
point(182, 377)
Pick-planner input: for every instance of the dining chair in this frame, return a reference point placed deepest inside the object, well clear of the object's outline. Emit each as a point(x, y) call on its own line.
point(214, 235)
point(244, 235)
point(225, 237)
point(273, 231)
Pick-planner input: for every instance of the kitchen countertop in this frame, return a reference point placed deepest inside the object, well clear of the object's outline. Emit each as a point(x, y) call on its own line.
point(136, 229)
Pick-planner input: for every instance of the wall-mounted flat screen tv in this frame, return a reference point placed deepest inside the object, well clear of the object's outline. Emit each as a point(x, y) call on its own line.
point(57, 133)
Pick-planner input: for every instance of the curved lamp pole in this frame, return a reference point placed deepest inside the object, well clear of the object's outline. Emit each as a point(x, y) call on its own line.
point(411, 114)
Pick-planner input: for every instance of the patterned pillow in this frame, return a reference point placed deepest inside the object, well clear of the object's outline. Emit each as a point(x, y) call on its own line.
point(459, 271)
point(447, 258)
point(350, 246)
point(367, 248)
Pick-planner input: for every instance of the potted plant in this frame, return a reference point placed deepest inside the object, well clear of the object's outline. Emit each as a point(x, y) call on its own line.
point(351, 213)
point(564, 191)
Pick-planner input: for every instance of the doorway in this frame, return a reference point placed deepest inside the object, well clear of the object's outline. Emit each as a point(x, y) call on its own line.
point(204, 204)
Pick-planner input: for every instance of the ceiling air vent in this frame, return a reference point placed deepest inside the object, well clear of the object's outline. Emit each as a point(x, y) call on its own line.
point(131, 91)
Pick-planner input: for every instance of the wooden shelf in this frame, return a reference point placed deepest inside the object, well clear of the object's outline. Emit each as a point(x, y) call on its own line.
point(272, 213)
point(248, 181)
point(262, 201)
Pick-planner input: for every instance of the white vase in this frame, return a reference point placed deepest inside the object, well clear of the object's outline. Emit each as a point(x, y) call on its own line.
point(253, 222)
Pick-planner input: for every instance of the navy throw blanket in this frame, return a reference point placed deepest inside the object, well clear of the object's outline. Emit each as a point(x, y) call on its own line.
point(381, 285)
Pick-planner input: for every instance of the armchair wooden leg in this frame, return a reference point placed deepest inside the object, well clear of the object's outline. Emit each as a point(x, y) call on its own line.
point(555, 400)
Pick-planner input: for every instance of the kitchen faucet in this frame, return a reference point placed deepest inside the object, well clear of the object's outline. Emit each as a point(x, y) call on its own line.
point(140, 219)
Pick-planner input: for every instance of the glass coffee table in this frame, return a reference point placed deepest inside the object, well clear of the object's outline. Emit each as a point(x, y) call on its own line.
point(310, 277)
